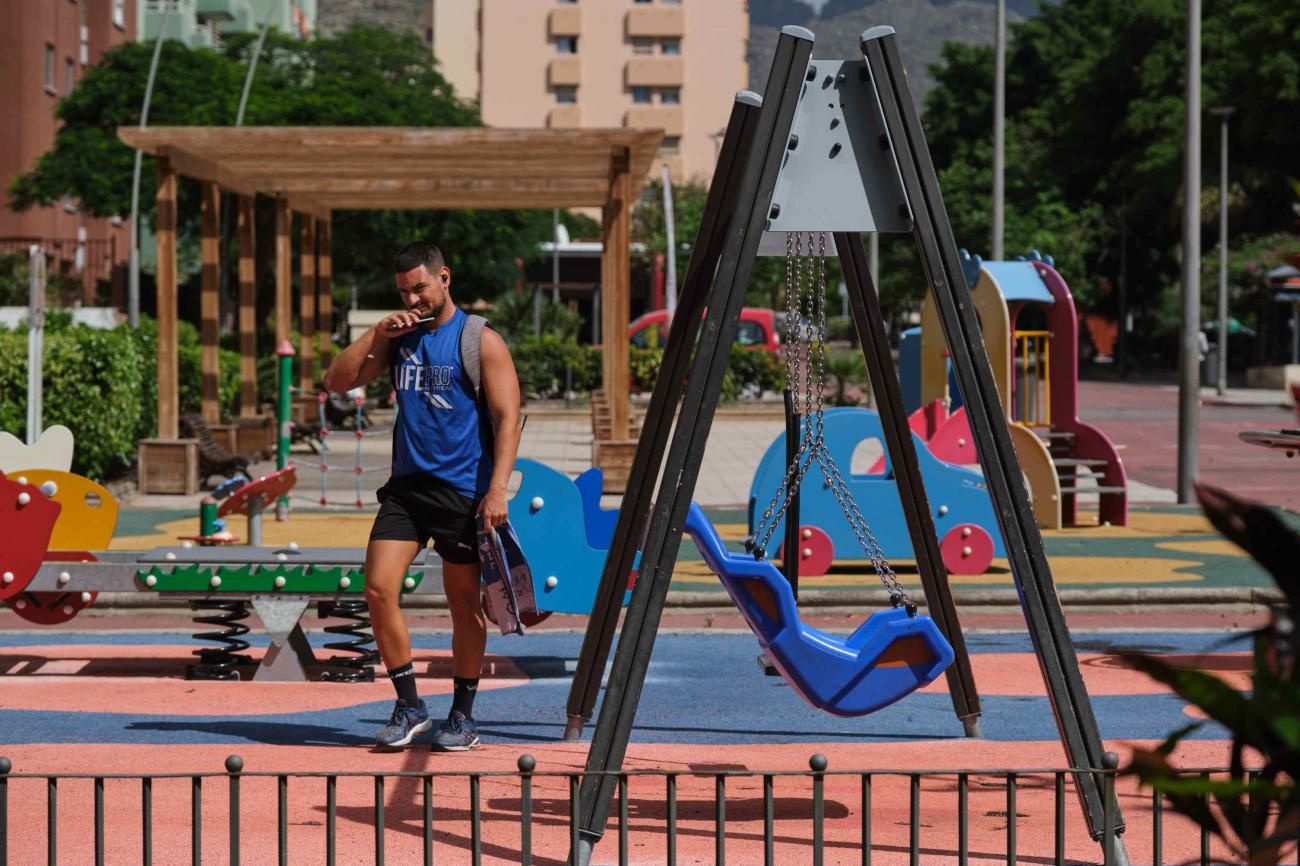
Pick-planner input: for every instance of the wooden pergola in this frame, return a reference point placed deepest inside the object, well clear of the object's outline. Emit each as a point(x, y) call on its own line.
point(314, 171)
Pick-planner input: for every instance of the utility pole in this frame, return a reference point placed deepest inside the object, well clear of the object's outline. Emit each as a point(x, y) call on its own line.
point(1189, 374)
point(133, 262)
point(1223, 112)
point(999, 127)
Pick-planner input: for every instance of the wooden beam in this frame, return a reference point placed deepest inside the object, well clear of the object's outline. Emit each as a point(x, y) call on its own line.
point(247, 307)
point(615, 302)
point(283, 272)
point(165, 229)
point(203, 169)
point(210, 298)
point(324, 287)
point(306, 304)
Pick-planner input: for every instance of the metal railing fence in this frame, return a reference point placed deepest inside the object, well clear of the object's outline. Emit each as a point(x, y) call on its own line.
point(547, 828)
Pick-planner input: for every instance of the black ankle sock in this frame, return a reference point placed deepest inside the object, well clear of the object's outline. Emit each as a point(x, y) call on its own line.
point(403, 678)
point(463, 700)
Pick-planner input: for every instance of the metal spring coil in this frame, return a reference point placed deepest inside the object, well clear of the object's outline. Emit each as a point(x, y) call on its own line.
point(360, 666)
point(220, 662)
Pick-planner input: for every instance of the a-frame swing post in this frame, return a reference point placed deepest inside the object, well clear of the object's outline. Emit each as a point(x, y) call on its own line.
point(869, 322)
point(681, 469)
point(932, 231)
point(669, 385)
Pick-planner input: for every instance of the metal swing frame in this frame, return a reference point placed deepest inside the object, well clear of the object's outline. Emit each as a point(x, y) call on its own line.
point(740, 206)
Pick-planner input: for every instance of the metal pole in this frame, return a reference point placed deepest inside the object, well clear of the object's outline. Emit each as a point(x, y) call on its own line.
point(133, 261)
point(1221, 372)
point(873, 259)
point(35, 342)
point(670, 233)
point(285, 352)
point(999, 125)
point(555, 255)
point(1189, 374)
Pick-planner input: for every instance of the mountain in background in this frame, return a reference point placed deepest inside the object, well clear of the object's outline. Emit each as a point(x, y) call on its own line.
point(923, 27)
point(333, 16)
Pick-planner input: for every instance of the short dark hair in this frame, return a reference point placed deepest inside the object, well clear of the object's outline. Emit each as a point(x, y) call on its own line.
point(418, 253)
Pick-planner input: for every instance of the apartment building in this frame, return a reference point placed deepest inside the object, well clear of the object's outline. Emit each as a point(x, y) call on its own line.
point(669, 64)
point(45, 49)
point(203, 23)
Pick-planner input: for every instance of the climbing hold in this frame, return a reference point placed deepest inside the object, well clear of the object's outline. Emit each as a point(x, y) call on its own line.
point(64, 577)
point(279, 582)
point(409, 583)
point(86, 597)
point(49, 488)
point(344, 582)
point(215, 582)
point(8, 577)
point(943, 509)
point(537, 503)
point(552, 582)
point(169, 556)
point(806, 534)
point(807, 552)
point(965, 532)
point(24, 498)
point(293, 545)
point(151, 580)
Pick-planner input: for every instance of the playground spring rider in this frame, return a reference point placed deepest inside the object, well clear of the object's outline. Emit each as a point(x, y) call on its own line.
point(805, 297)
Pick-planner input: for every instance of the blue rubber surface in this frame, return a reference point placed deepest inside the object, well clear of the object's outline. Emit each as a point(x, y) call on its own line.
point(726, 700)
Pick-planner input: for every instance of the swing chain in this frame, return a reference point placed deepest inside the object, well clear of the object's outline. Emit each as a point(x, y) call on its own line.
point(806, 292)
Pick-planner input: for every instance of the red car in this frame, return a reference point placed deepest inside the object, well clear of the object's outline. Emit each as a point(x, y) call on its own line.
point(758, 330)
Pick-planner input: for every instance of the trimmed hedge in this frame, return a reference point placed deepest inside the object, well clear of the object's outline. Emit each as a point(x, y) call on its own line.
point(102, 385)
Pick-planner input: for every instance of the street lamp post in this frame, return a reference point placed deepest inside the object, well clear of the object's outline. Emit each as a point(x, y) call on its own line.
point(1223, 112)
point(999, 126)
point(1189, 374)
point(133, 262)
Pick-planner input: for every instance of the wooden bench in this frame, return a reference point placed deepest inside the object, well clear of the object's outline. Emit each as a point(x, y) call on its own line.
point(213, 459)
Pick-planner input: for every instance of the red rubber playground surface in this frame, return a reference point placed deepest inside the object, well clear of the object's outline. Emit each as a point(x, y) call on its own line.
point(79, 703)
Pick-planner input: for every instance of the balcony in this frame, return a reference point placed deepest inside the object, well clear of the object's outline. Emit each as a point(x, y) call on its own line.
point(655, 72)
point(564, 117)
point(669, 118)
point(565, 21)
point(564, 70)
point(223, 10)
point(656, 21)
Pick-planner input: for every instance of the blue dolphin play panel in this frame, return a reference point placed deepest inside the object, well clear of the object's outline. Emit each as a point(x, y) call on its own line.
point(564, 539)
point(969, 537)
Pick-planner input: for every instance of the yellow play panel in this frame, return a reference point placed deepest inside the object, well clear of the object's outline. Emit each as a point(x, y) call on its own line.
point(87, 511)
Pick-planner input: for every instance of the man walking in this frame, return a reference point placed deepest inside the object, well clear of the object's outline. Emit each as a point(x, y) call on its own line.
point(453, 452)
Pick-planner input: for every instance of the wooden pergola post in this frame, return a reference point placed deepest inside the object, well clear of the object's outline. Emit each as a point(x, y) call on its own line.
point(209, 298)
point(283, 270)
point(168, 398)
point(324, 287)
point(615, 280)
point(307, 303)
point(247, 307)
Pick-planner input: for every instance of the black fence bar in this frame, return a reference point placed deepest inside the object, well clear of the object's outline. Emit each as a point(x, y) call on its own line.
point(818, 764)
point(1108, 819)
point(623, 818)
point(146, 823)
point(234, 764)
point(526, 766)
point(426, 790)
point(574, 802)
point(720, 820)
point(769, 821)
point(99, 821)
point(1205, 833)
point(1058, 809)
point(5, 767)
point(282, 818)
point(1157, 827)
point(52, 822)
point(475, 819)
point(379, 821)
point(866, 819)
point(963, 819)
point(914, 819)
point(331, 819)
point(671, 796)
point(196, 821)
point(1011, 819)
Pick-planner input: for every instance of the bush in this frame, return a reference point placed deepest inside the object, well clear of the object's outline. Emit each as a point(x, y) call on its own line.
point(103, 386)
point(542, 364)
point(749, 372)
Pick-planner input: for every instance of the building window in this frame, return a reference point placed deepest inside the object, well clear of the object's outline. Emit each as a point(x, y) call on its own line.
point(643, 45)
point(670, 96)
point(671, 144)
point(49, 68)
point(670, 46)
point(566, 44)
point(566, 94)
point(69, 74)
point(119, 14)
point(68, 204)
point(641, 95)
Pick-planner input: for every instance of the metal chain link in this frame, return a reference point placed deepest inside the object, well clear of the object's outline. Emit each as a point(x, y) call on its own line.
point(806, 290)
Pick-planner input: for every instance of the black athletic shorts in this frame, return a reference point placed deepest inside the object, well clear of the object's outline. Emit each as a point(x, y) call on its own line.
point(419, 507)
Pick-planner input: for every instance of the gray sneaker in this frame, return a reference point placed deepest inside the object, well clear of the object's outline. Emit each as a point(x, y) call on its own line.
point(457, 734)
point(406, 723)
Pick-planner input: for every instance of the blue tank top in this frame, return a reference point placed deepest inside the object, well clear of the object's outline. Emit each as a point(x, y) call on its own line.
point(438, 429)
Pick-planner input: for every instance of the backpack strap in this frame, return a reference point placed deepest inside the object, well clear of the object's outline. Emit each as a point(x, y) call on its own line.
point(471, 340)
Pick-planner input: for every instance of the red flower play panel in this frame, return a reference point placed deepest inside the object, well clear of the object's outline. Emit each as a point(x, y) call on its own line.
point(264, 490)
point(27, 519)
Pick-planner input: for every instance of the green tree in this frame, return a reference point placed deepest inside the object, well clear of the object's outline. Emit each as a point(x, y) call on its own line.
point(364, 76)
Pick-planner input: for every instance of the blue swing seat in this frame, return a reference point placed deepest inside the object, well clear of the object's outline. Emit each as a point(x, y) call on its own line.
point(890, 655)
